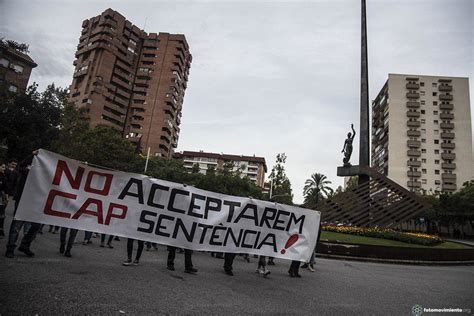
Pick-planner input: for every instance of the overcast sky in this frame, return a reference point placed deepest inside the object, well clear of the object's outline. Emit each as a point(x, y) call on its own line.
point(268, 76)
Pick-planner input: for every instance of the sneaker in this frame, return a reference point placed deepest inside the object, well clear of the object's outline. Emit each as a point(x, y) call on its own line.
point(68, 253)
point(89, 241)
point(102, 245)
point(61, 249)
point(127, 262)
point(2, 233)
point(116, 238)
point(271, 263)
point(9, 254)
point(304, 266)
point(190, 270)
point(229, 272)
point(310, 268)
point(110, 246)
point(26, 251)
point(170, 267)
point(155, 247)
point(135, 263)
point(147, 248)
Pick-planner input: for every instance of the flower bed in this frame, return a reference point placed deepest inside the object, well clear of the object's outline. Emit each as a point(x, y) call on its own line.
point(386, 233)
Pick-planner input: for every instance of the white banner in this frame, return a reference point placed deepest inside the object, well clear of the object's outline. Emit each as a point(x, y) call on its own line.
point(65, 192)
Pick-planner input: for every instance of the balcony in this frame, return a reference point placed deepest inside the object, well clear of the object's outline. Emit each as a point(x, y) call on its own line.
point(448, 176)
point(413, 174)
point(446, 97)
point(448, 166)
point(412, 86)
point(414, 184)
point(446, 116)
point(413, 95)
point(445, 88)
point(446, 125)
point(447, 135)
point(413, 143)
point(448, 145)
point(413, 104)
point(413, 163)
point(413, 123)
point(448, 156)
point(413, 133)
point(447, 107)
point(448, 187)
point(413, 153)
point(413, 114)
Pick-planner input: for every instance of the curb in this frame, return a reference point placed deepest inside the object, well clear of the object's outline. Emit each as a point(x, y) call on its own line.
point(396, 261)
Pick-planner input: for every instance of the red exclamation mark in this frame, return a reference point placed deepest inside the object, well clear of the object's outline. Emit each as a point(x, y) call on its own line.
point(293, 238)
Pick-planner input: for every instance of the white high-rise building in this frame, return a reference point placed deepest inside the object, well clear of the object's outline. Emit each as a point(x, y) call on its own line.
point(421, 132)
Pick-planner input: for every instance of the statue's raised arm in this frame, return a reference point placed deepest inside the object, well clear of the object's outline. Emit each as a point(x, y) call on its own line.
point(353, 131)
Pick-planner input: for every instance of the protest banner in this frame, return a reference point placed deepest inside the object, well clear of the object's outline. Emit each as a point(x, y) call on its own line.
point(64, 192)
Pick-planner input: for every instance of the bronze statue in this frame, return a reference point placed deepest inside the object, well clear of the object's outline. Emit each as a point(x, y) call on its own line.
point(347, 149)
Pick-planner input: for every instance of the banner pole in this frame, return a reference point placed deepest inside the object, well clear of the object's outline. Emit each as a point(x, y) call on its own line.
point(147, 157)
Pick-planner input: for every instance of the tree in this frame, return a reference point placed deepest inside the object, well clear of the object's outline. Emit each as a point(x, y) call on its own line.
point(315, 188)
point(21, 47)
point(280, 184)
point(31, 120)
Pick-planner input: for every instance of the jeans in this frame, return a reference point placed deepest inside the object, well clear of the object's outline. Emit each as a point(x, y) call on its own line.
point(187, 257)
point(27, 239)
point(72, 237)
point(130, 241)
point(87, 236)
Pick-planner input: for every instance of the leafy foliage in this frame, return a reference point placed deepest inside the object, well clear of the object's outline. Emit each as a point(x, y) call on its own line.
point(315, 188)
point(281, 185)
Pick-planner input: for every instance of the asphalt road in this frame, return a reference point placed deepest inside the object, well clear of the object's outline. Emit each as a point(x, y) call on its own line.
point(93, 281)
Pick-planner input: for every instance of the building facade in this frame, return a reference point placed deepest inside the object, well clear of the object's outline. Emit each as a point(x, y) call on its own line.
point(250, 166)
point(421, 132)
point(15, 67)
point(132, 81)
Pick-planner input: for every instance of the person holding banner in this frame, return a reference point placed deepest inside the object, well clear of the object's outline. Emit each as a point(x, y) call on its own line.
point(294, 269)
point(63, 248)
point(16, 225)
point(188, 263)
point(128, 262)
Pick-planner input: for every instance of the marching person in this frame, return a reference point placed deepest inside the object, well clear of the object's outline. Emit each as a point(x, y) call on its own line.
point(188, 263)
point(310, 265)
point(262, 270)
point(129, 262)
point(15, 226)
point(294, 269)
point(228, 261)
point(3, 197)
point(66, 248)
point(109, 241)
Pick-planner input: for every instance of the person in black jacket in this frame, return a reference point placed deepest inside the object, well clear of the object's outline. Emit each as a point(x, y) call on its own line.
point(3, 197)
point(16, 226)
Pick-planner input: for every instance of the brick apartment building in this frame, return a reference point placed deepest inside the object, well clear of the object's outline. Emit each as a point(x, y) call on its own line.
point(15, 67)
point(131, 80)
point(250, 166)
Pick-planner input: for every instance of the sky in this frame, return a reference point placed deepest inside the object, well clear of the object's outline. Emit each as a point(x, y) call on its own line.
point(268, 76)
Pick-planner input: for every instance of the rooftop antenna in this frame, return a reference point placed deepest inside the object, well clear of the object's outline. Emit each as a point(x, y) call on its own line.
point(144, 25)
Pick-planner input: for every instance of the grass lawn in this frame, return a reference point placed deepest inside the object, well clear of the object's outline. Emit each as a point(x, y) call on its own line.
point(354, 239)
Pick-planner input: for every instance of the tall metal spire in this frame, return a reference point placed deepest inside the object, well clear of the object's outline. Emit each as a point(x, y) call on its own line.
point(364, 141)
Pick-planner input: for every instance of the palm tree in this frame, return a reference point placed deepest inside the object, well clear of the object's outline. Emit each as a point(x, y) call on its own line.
point(316, 187)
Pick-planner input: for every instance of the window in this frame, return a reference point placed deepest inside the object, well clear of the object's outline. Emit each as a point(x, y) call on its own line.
point(422, 111)
point(17, 68)
point(4, 62)
point(435, 122)
point(437, 182)
point(435, 93)
point(131, 49)
point(423, 151)
point(436, 151)
point(436, 132)
point(436, 141)
point(436, 171)
point(422, 84)
point(423, 140)
point(423, 181)
point(423, 171)
point(435, 112)
point(422, 102)
point(12, 88)
point(422, 93)
point(423, 131)
point(434, 84)
point(436, 162)
point(423, 121)
point(423, 160)
point(435, 103)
